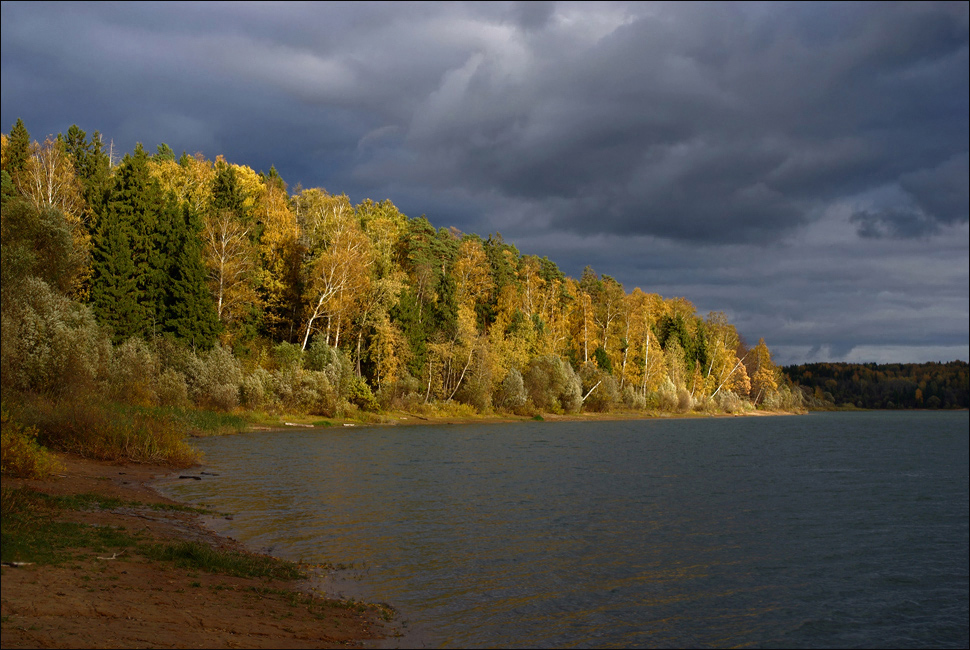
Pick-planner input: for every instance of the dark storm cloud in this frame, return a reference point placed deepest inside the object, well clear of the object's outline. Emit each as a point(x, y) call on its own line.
point(942, 192)
point(697, 126)
point(717, 151)
point(894, 222)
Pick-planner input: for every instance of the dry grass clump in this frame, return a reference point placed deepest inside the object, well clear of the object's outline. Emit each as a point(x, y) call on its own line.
point(20, 453)
point(110, 432)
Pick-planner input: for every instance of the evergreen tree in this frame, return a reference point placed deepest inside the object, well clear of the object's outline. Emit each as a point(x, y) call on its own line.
point(7, 190)
point(185, 306)
point(427, 309)
point(125, 282)
point(227, 194)
point(164, 152)
point(18, 148)
point(92, 167)
point(114, 290)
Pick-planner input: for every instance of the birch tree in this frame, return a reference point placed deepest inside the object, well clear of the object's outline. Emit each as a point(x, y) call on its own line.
point(48, 180)
point(337, 267)
point(230, 266)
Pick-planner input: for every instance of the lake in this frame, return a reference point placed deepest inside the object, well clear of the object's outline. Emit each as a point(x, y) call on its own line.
point(824, 530)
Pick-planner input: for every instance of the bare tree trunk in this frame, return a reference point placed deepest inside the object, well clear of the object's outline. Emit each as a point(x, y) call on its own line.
point(646, 362)
point(360, 336)
point(592, 389)
point(427, 395)
point(736, 366)
point(471, 353)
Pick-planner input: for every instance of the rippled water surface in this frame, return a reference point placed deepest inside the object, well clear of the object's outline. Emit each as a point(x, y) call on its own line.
point(825, 530)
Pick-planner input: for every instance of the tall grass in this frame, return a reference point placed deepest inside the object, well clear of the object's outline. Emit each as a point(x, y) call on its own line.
point(107, 431)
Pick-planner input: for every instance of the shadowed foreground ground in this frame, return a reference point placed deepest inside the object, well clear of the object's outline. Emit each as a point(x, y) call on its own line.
point(96, 600)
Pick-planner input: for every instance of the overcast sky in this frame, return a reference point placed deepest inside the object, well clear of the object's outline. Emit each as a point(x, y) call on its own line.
point(801, 167)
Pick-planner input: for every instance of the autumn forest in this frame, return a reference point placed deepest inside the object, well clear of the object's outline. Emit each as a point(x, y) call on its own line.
point(167, 280)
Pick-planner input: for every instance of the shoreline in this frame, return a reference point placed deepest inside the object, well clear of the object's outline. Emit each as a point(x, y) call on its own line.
point(406, 418)
point(97, 598)
point(126, 600)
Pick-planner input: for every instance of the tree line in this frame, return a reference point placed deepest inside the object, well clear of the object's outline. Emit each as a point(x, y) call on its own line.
point(204, 282)
point(885, 386)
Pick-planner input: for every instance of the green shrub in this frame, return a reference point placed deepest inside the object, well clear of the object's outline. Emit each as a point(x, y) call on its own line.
point(256, 391)
point(632, 399)
point(315, 395)
point(403, 394)
point(172, 389)
point(51, 344)
point(729, 402)
point(684, 401)
point(552, 385)
point(605, 394)
point(511, 395)
point(218, 381)
point(359, 394)
point(288, 356)
point(667, 396)
point(133, 370)
point(785, 399)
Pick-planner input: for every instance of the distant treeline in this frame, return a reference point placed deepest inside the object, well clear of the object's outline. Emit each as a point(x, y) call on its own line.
point(885, 386)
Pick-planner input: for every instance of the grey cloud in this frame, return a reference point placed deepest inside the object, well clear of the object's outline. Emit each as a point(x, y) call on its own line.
point(533, 15)
point(893, 222)
point(702, 123)
point(690, 149)
point(943, 192)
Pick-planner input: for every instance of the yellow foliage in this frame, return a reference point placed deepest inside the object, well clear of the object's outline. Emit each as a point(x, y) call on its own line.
point(251, 185)
point(337, 268)
point(48, 180)
point(765, 378)
point(474, 282)
point(20, 453)
point(191, 183)
point(280, 251)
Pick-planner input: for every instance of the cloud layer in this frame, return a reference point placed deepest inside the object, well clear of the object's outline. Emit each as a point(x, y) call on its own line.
point(802, 167)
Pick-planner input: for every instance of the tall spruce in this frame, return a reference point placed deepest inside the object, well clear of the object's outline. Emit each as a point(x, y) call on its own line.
point(125, 282)
point(92, 167)
point(227, 194)
point(18, 148)
point(426, 309)
point(186, 310)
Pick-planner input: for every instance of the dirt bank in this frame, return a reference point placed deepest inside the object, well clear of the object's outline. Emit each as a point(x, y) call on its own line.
point(131, 601)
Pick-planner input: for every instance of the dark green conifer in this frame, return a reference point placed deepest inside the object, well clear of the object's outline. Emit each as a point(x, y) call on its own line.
point(124, 282)
point(164, 152)
point(92, 167)
point(186, 309)
point(18, 148)
point(226, 192)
